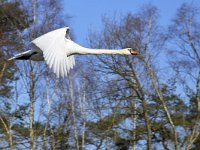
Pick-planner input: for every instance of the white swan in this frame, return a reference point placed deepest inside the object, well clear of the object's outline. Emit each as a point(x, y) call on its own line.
point(58, 50)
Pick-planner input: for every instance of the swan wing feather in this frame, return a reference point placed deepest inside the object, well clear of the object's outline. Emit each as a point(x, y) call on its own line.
point(55, 50)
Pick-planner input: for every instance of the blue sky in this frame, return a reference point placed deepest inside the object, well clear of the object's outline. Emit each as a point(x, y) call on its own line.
point(87, 14)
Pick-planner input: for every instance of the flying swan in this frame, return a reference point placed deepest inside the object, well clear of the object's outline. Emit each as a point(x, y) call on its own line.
point(58, 50)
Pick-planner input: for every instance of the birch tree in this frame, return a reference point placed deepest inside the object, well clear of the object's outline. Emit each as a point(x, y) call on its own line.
point(185, 61)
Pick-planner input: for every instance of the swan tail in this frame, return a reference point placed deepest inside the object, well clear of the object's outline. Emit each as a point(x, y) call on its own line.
point(23, 56)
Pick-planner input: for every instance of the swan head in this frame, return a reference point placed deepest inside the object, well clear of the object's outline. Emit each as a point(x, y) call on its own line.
point(131, 51)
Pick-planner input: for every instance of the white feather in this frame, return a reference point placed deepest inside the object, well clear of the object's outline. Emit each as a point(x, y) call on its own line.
point(21, 54)
point(58, 51)
point(54, 48)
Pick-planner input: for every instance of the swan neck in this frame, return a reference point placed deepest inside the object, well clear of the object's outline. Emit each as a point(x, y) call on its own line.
point(101, 51)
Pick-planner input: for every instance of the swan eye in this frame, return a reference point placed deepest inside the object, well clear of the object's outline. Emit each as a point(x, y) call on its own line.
point(130, 50)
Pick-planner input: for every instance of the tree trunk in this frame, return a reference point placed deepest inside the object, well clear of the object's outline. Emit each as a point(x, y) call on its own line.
point(134, 117)
point(2, 71)
point(48, 111)
point(82, 106)
point(10, 138)
point(141, 96)
point(73, 112)
point(53, 143)
point(160, 96)
point(32, 88)
point(195, 129)
point(31, 111)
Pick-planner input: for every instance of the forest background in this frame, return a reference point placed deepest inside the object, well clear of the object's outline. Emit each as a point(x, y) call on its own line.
point(106, 102)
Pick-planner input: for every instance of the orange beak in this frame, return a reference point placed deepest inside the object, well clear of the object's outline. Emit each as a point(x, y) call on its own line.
point(134, 52)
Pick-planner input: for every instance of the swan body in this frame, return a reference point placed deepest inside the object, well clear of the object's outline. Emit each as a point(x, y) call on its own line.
point(58, 50)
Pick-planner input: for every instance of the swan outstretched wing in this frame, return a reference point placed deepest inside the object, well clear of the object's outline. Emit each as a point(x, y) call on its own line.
point(54, 47)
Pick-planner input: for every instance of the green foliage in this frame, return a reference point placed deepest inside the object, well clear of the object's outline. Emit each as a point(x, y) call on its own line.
point(12, 17)
point(7, 70)
point(106, 123)
point(196, 144)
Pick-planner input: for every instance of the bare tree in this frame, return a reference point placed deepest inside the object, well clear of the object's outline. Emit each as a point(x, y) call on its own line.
point(142, 32)
point(184, 35)
point(114, 36)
